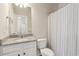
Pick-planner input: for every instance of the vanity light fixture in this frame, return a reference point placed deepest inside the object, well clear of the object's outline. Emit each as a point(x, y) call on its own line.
point(22, 5)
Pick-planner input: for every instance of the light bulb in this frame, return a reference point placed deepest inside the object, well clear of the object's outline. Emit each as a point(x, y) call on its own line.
point(21, 5)
point(25, 6)
point(17, 4)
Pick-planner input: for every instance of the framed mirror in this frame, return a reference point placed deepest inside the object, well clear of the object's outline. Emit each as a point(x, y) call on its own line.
point(20, 20)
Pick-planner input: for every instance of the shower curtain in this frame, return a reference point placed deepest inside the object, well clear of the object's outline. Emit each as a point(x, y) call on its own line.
point(63, 30)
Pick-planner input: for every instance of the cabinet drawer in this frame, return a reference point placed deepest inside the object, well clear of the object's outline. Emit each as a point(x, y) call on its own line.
point(13, 54)
point(29, 45)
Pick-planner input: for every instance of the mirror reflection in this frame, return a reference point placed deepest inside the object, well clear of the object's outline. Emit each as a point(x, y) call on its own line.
point(20, 20)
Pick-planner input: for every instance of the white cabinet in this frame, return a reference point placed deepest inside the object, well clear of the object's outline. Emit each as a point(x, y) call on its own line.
point(19, 49)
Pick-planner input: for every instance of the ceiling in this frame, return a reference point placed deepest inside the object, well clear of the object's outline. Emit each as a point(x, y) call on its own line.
point(51, 7)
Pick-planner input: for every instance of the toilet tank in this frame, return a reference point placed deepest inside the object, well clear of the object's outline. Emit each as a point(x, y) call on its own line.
point(42, 43)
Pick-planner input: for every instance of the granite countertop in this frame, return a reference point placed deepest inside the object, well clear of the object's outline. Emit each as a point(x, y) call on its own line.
point(10, 40)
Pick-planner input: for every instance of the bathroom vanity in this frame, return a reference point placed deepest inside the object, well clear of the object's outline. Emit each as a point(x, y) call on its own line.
point(18, 47)
point(18, 21)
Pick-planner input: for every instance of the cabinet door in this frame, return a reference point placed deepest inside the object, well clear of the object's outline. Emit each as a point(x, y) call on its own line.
point(14, 54)
point(29, 49)
point(29, 52)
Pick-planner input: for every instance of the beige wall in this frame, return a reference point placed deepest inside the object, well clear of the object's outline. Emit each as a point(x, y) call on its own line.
point(39, 22)
point(3, 21)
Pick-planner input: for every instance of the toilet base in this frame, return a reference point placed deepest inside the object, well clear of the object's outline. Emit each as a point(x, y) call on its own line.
point(47, 52)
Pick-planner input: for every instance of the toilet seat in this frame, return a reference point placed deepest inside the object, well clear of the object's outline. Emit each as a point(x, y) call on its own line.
point(46, 52)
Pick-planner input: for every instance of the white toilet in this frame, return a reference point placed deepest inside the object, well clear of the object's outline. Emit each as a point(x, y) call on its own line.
point(43, 51)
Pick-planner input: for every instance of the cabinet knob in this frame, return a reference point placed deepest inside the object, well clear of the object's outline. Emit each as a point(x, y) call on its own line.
point(18, 54)
point(24, 53)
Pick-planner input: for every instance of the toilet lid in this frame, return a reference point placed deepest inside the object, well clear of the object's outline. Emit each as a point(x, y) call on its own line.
point(47, 52)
